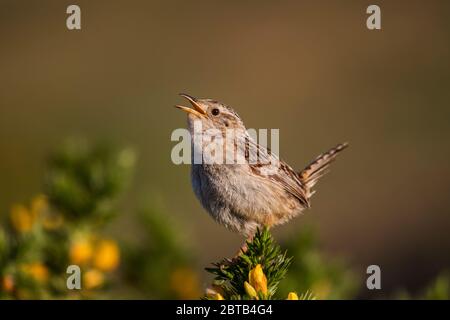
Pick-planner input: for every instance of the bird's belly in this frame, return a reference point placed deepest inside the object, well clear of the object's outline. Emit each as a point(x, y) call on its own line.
point(238, 200)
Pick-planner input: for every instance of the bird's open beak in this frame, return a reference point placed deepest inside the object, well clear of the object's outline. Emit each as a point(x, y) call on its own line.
point(197, 110)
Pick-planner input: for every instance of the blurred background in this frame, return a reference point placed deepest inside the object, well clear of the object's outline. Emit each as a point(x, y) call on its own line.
point(310, 68)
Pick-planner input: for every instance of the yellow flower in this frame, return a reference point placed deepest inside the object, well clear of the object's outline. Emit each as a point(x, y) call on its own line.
point(250, 290)
point(39, 204)
point(214, 294)
point(292, 296)
point(8, 283)
point(92, 279)
point(107, 255)
point(257, 279)
point(80, 251)
point(185, 283)
point(36, 270)
point(21, 218)
point(217, 296)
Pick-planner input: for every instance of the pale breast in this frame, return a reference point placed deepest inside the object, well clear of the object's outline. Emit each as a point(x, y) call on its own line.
point(233, 195)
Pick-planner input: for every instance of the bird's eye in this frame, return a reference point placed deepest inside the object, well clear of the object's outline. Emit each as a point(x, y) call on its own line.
point(215, 112)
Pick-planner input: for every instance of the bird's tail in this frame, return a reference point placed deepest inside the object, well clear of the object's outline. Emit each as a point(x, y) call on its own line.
point(318, 168)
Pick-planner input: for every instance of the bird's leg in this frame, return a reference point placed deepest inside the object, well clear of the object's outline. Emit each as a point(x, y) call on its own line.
point(244, 246)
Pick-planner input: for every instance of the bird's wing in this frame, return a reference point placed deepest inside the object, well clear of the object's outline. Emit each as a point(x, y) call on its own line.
point(288, 179)
point(277, 171)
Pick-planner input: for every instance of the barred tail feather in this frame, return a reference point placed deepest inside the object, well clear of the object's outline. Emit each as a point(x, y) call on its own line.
point(318, 168)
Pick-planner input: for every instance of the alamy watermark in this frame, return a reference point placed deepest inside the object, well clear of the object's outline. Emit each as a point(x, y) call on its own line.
point(73, 21)
point(373, 22)
point(231, 146)
point(373, 281)
point(73, 281)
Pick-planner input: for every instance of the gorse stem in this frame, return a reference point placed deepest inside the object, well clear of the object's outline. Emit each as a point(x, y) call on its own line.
point(260, 269)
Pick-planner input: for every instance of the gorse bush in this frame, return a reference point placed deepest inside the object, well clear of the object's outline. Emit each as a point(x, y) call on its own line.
point(84, 182)
point(63, 226)
point(253, 274)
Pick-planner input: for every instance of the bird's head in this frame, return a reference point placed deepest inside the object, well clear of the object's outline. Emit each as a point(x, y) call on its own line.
point(212, 114)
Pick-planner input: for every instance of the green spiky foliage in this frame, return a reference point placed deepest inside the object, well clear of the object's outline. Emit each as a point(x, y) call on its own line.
point(308, 295)
point(82, 186)
point(231, 275)
point(83, 181)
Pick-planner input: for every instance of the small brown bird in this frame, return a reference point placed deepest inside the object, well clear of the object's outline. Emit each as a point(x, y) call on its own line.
point(249, 195)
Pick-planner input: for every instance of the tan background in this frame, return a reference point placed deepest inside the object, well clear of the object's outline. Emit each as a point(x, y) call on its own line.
point(310, 68)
